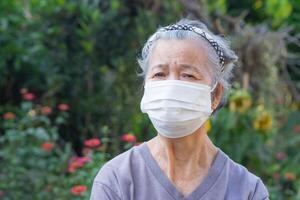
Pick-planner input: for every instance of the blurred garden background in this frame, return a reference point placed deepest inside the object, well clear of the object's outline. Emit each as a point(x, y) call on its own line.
point(70, 94)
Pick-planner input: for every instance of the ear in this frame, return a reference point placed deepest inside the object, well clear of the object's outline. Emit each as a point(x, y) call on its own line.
point(217, 96)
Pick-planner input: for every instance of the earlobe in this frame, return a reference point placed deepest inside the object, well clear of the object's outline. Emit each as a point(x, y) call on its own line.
point(213, 105)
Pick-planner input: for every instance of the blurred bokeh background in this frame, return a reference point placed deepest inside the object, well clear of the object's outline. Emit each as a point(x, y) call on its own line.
point(69, 90)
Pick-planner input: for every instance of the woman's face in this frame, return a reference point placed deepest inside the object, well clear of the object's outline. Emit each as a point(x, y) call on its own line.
point(184, 60)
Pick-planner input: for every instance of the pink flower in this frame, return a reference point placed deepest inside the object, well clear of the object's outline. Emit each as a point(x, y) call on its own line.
point(28, 96)
point(77, 162)
point(47, 146)
point(63, 107)
point(78, 189)
point(281, 156)
point(46, 110)
point(82, 160)
point(9, 115)
point(128, 137)
point(94, 142)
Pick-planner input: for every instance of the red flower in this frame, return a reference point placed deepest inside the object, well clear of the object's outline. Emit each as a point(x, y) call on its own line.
point(72, 168)
point(46, 110)
point(78, 189)
point(128, 137)
point(47, 146)
point(77, 162)
point(28, 96)
point(94, 142)
point(9, 115)
point(63, 107)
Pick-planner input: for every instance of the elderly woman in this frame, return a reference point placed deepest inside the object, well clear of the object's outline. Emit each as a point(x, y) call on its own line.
point(186, 70)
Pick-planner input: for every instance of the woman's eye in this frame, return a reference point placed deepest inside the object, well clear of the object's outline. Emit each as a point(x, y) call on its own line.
point(158, 75)
point(188, 76)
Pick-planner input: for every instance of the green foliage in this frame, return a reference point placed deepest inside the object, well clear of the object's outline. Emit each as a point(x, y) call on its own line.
point(36, 164)
point(274, 12)
point(217, 6)
point(262, 141)
point(79, 52)
point(279, 11)
point(245, 127)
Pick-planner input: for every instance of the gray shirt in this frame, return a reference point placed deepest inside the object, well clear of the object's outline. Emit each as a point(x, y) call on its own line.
point(135, 175)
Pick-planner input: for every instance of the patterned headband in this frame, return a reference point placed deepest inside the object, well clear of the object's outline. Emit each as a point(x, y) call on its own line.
point(203, 34)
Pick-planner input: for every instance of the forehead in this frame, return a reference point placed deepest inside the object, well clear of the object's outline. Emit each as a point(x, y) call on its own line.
point(186, 51)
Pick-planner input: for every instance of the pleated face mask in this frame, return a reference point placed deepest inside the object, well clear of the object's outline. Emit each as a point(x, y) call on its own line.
point(176, 108)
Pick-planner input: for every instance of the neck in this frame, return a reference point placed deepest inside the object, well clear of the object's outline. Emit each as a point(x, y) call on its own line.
point(184, 155)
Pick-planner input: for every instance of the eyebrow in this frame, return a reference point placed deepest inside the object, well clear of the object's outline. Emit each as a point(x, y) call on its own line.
point(161, 66)
point(181, 66)
point(186, 66)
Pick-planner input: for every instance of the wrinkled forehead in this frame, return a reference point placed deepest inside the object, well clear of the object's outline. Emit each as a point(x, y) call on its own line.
point(188, 52)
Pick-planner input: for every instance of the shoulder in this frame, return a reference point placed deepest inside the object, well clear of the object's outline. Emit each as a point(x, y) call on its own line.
point(118, 167)
point(241, 179)
point(111, 176)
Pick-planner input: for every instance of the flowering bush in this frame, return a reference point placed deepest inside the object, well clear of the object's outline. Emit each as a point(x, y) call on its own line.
point(262, 139)
point(78, 189)
point(37, 164)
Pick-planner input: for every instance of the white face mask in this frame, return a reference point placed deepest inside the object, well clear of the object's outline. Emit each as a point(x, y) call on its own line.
point(176, 108)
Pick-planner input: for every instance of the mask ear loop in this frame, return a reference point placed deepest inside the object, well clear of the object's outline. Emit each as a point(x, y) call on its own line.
point(214, 87)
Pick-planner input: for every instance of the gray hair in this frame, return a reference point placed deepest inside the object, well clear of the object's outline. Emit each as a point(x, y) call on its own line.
point(223, 77)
